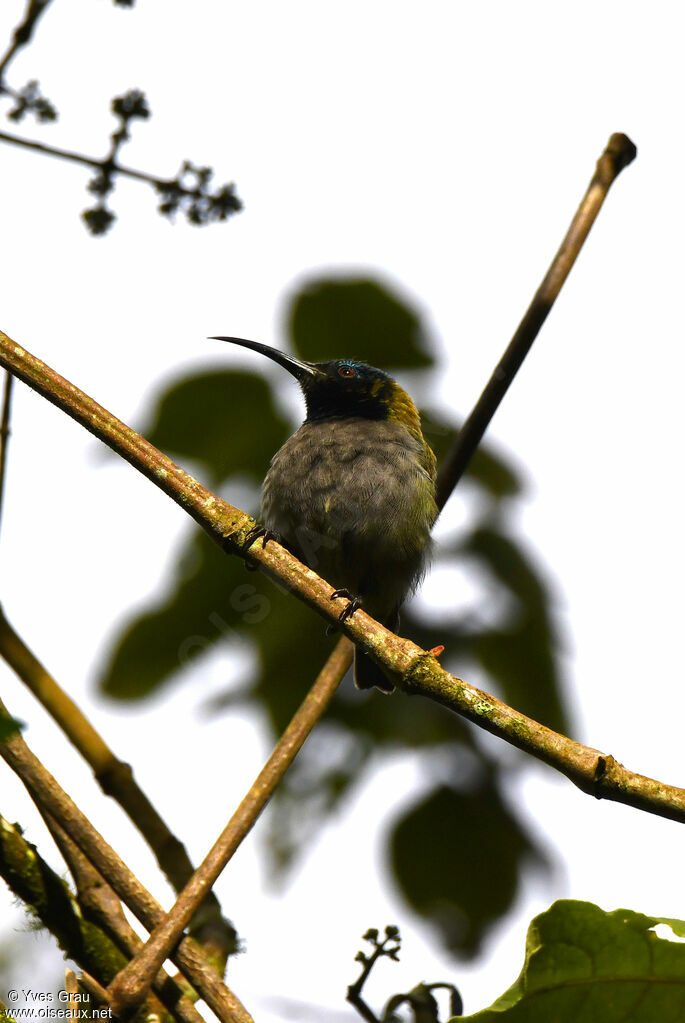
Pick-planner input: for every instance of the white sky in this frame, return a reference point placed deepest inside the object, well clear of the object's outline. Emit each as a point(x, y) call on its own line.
point(443, 147)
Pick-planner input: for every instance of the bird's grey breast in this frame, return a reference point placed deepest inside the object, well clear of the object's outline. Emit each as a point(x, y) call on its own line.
point(348, 493)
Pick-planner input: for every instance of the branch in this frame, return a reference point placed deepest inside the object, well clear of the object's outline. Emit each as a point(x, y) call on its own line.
point(46, 792)
point(116, 780)
point(22, 35)
point(388, 948)
point(130, 985)
point(100, 905)
point(5, 433)
point(200, 205)
point(619, 152)
point(189, 191)
point(411, 668)
point(37, 885)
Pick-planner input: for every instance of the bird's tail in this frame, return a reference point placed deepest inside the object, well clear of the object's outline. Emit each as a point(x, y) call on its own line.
point(367, 674)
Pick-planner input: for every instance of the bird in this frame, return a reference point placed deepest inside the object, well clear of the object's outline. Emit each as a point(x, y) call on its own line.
point(352, 492)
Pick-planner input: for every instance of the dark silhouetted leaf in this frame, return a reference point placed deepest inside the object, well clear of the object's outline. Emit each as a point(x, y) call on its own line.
point(520, 654)
point(225, 419)
point(457, 856)
point(214, 600)
point(583, 964)
point(229, 423)
point(488, 470)
point(10, 726)
point(356, 319)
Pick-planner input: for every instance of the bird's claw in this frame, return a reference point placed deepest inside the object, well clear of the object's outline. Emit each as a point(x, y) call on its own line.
point(264, 533)
point(354, 603)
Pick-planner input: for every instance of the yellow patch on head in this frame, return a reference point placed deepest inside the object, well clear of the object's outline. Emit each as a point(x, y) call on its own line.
point(401, 409)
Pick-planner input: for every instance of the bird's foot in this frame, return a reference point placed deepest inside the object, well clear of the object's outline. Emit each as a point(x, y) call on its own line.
point(354, 603)
point(264, 533)
point(254, 534)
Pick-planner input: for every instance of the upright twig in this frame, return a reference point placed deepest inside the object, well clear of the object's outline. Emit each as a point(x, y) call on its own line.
point(619, 152)
point(386, 948)
point(117, 780)
point(127, 988)
point(5, 433)
point(21, 37)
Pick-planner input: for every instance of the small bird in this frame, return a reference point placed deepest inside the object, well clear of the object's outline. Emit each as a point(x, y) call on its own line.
point(352, 493)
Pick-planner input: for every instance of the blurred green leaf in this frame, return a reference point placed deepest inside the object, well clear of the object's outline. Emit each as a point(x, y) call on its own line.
point(229, 422)
point(213, 599)
point(521, 653)
point(584, 964)
point(457, 855)
point(356, 319)
point(9, 727)
point(488, 470)
point(225, 419)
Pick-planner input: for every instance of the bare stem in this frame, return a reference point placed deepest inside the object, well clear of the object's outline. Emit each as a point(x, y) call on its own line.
point(5, 433)
point(106, 162)
point(129, 986)
point(619, 152)
point(388, 948)
point(22, 34)
point(116, 780)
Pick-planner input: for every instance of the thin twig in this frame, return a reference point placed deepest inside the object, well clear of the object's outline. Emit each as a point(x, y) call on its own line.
point(22, 35)
point(223, 202)
point(5, 433)
point(90, 161)
point(116, 779)
point(71, 988)
point(619, 152)
point(96, 991)
point(129, 986)
point(46, 792)
point(388, 948)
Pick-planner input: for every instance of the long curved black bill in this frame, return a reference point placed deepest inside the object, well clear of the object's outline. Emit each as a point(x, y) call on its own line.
point(300, 370)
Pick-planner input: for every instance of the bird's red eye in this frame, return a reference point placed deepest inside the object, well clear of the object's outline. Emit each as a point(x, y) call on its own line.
point(347, 371)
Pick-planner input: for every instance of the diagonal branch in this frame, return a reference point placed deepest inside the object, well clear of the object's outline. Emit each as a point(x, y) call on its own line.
point(5, 417)
point(619, 152)
point(22, 36)
point(116, 779)
point(125, 989)
point(46, 792)
point(100, 906)
point(201, 205)
point(30, 878)
point(412, 669)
